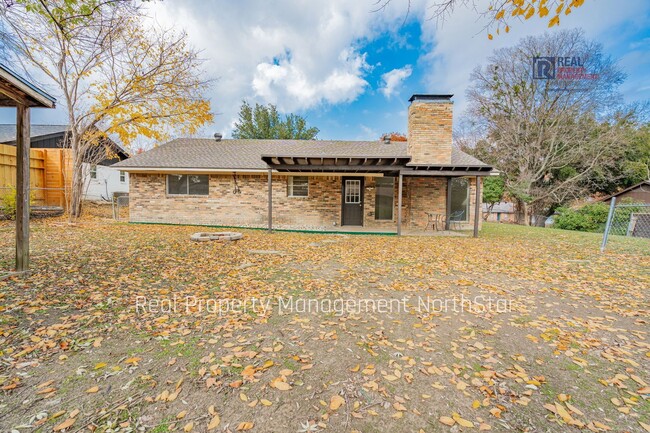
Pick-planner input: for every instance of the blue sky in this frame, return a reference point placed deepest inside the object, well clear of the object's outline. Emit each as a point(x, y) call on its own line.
point(351, 71)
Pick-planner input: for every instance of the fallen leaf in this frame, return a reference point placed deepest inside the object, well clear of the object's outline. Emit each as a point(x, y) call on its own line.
point(336, 401)
point(214, 422)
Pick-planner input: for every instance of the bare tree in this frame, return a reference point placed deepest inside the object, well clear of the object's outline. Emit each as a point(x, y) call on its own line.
point(548, 135)
point(116, 75)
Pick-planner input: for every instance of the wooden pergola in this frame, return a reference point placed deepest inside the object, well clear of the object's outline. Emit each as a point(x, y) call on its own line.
point(397, 167)
point(17, 92)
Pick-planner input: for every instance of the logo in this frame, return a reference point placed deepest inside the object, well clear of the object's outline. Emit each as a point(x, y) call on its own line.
point(544, 68)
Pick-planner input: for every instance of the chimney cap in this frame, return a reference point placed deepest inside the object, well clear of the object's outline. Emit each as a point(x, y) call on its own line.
point(429, 97)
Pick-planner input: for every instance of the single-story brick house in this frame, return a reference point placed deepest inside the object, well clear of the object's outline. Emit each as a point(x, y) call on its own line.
point(314, 184)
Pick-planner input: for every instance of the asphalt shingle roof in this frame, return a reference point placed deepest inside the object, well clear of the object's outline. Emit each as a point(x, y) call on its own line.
point(247, 154)
point(8, 131)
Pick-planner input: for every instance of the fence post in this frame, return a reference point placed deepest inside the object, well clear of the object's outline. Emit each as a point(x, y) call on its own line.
point(608, 226)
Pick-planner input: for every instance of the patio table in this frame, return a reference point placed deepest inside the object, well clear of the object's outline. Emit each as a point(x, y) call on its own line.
point(434, 220)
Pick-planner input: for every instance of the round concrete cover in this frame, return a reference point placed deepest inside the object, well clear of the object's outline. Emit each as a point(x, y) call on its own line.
point(216, 236)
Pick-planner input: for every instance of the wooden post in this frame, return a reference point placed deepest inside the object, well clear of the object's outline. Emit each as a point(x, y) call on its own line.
point(22, 188)
point(447, 222)
point(270, 183)
point(399, 205)
point(477, 206)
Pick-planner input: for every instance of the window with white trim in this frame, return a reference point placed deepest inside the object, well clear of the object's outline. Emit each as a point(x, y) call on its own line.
point(298, 186)
point(122, 176)
point(93, 171)
point(187, 184)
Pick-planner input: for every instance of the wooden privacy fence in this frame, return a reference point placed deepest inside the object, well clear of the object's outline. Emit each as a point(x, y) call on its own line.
point(49, 174)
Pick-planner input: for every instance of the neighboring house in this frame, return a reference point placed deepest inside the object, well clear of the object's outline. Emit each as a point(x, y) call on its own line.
point(639, 193)
point(100, 180)
point(316, 184)
point(501, 212)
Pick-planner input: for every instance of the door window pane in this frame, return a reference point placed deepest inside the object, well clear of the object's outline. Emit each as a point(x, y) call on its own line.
point(384, 190)
point(353, 191)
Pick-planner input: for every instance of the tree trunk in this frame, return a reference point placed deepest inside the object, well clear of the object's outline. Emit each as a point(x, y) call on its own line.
point(77, 181)
point(523, 217)
point(526, 213)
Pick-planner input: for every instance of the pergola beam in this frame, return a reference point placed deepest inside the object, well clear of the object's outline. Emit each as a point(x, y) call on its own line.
point(399, 205)
point(477, 206)
point(270, 186)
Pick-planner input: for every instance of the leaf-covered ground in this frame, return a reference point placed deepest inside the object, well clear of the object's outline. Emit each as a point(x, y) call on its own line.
point(571, 353)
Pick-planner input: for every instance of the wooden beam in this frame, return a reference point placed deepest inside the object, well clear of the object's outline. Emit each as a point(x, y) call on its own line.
point(447, 213)
point(456, 173)
point(399, 205)
point(14, 94)
point(270, 186)
point(477, 206)
point(336, 168)
point(22, 188)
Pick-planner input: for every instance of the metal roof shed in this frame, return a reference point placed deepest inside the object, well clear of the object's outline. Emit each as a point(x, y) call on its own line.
point(15, 91)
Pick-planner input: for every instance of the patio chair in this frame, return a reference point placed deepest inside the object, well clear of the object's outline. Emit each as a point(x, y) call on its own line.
point(455, 219)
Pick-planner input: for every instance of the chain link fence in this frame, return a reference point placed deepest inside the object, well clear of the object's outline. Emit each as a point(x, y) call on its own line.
point(121, 206)
point(632, 220)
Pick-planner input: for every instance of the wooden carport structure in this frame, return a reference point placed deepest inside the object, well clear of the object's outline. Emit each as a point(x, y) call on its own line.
point(17, 92)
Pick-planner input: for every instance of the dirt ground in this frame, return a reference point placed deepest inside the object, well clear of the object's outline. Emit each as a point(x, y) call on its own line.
point(123, 328)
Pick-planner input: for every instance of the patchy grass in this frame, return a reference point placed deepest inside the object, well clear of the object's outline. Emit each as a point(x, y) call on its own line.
point(114, 331)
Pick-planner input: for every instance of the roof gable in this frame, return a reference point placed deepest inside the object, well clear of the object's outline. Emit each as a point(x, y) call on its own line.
point(8, 131)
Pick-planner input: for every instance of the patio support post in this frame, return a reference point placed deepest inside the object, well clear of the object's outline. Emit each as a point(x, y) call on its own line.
point(270, 200)
point(447, 213)
point(477, 206)
point(22, 188)
point(399, 205)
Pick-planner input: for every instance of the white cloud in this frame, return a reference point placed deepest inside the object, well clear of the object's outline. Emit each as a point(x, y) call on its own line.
point(297, 55)
point(287, 84)
point(460, 43)
point(391, 80)
point(301, 55)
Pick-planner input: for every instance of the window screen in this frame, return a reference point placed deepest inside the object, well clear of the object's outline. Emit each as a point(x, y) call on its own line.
point(298, 186)
point(459, 206)
point(183, 184)
point(384, 190)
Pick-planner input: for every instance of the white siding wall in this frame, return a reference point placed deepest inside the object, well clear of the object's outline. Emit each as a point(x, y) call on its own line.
point(105, 184)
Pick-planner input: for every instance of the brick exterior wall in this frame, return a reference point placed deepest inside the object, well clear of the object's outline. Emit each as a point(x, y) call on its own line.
point(429, 132)
point(150, 203)
point(429, 194)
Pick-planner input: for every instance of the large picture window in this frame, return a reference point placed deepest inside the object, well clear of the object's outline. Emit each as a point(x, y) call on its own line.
point(459, 206)
point(298, 186)
point(187, 184)
point(384, 192)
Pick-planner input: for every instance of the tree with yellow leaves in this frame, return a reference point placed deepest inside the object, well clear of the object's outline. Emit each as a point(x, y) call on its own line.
point(116, 76)
point(502, 13)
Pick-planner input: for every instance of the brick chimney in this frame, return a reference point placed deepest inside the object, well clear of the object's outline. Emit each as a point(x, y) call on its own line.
point(429, 129)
